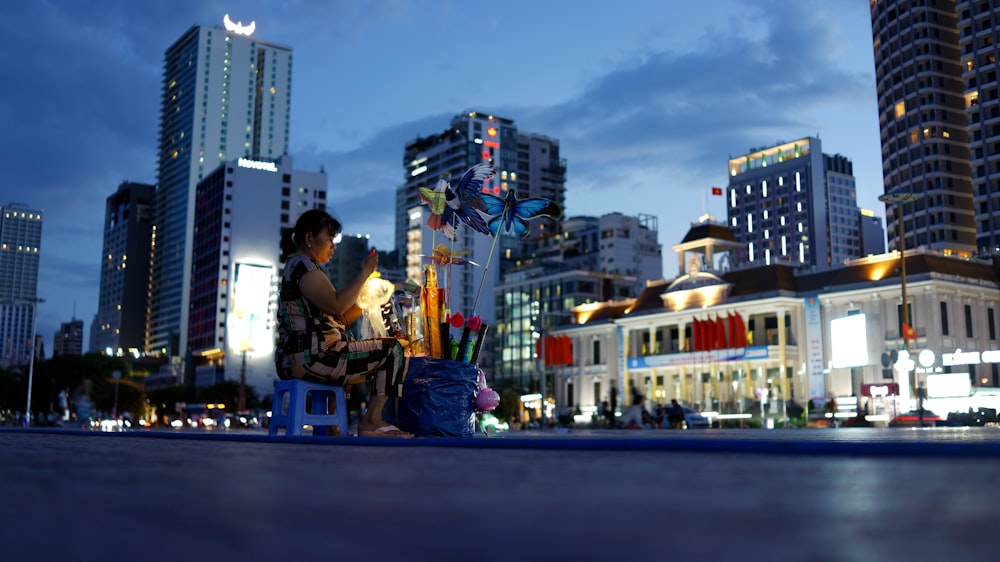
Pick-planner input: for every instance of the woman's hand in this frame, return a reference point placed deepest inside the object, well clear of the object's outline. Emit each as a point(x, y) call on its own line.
point(370, 264)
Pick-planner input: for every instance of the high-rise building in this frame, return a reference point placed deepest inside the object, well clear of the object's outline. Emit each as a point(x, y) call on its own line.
point(68, 340)
point(20, 249)
point(792, 204)
point(872, 234)
point(935, 73)
point(979, 46)
point(529, 164)
point(241, 209)
point(121, 307)
point(225, 95)
point(541, 172)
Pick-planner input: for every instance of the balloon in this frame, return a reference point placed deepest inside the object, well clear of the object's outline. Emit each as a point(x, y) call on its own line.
point(487, 400)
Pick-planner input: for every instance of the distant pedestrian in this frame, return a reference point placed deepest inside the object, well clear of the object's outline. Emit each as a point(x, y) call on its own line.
point(64, 403)
point(676, 414)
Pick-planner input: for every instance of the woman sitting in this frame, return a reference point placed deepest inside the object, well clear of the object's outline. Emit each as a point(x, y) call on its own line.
point(313, 316)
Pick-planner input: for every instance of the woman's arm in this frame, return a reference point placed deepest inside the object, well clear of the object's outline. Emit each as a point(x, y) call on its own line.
point(352, 314)
point(316, 287)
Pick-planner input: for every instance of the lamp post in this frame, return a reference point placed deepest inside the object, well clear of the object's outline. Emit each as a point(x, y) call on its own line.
point(31, 361)
point(897, 199)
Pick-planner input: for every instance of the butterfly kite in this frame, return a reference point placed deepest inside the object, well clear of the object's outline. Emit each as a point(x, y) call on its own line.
point(446, 204)
point(510, 214)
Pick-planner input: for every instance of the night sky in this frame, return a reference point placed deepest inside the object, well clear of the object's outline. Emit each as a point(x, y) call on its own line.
point(649, 100)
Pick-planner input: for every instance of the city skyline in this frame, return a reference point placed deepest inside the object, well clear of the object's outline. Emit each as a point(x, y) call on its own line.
point(648, 104)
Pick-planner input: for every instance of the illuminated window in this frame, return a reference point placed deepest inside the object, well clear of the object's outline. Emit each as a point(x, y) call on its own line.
point(900, 109)
point(972, 99)
point(914, 136)
point(764, 189)
point(970, 65)
point(749, 223)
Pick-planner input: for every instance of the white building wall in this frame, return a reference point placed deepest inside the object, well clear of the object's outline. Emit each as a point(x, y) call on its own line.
point(254, 240)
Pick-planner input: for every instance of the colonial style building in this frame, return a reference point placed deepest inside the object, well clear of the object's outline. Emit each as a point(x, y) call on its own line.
point(734, 341)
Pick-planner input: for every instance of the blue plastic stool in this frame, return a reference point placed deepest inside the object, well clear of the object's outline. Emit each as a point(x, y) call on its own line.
point(295, 417)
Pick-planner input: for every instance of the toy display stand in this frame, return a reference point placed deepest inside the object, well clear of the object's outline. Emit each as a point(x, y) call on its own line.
point(438, 399)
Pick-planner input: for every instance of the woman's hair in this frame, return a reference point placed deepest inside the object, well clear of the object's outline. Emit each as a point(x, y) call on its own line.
point(314, 221)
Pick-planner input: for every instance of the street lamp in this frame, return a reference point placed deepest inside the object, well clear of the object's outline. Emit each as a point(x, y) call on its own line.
point(897, 199)
point(31, 361)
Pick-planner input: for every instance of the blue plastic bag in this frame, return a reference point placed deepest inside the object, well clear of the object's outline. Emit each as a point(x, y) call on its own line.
point(438, 399)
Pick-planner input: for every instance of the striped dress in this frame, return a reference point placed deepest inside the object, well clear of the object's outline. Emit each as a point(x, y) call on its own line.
point(316, 346)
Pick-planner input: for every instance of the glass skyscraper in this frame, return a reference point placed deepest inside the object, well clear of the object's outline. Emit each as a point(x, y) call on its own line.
point(225, 95)
point(20, 247)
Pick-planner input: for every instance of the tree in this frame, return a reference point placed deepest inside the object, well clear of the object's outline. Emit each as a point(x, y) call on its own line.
point(228, 393)
point(510, 404)
point(165, 400)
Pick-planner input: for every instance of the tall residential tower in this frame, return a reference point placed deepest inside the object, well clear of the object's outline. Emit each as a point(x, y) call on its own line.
point(935, 71)
point(121, 307)
point(225, 95)
point(20, 247)
point(792, 204)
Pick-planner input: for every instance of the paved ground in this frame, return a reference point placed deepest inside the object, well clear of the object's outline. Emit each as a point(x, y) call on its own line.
point(813, 495)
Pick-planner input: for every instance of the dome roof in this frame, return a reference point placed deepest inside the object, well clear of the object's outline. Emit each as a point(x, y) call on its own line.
point(694, 281)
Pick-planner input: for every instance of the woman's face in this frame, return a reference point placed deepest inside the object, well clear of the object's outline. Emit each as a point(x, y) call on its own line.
point(321, 246)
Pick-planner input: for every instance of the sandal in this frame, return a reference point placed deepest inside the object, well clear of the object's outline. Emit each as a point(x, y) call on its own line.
point(383, 431)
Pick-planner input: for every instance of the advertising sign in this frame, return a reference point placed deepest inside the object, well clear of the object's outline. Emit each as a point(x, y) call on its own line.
point(248, 327)
point(814, 348)
point(849, 341)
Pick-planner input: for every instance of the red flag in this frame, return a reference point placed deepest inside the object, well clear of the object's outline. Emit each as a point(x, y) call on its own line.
point(696, 336)
point(731, 325)
point(717, 191)
point(741, 331)
point(720, 333)
point(908, 332)
point(567, 355)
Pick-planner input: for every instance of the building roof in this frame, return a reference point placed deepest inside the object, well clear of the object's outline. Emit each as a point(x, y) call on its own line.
point(765, 281)
point(704, 230)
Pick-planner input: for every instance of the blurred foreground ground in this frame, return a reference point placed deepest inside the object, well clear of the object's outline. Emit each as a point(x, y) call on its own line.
point(796, 495)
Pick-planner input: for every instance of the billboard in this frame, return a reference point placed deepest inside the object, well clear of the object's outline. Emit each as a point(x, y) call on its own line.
point(249, 326)
point(849, 341)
